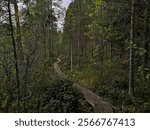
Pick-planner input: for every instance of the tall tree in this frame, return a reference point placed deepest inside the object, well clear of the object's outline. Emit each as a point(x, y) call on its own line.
point(79, 35)
point(15, 54)
point(145, 37)
point(18, 30)
point(131, 59)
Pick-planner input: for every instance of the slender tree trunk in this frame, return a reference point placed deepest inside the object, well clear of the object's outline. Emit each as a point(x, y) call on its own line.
point(101, 43)
point(18, 31)
point(79, 36)
point(110, 51)
point(25, 85)
point(52, 46)
point(131, 88)
point(49, 29)
point(79, 51)
point(111, 38)
point(92, 48)
point(45, 41)
point(49, 8)
point(15, 55)
point(71, 56)
point(145, 38)
point(49, 41)
point(85, 48)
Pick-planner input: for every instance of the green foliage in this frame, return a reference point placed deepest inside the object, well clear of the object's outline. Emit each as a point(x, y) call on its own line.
point(147, 107)
point(59, 96)
point(96, 32)
point(4, 102)
point(142, 89)
point(105, 54)
point(85, 76)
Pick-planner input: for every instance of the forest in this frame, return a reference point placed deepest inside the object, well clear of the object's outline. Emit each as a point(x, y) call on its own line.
point(93, 56)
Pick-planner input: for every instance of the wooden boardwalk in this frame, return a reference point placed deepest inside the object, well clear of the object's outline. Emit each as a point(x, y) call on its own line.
point(97, 102)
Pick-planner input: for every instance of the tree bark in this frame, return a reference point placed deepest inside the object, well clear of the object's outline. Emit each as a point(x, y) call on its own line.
point(52, 46)
point(18, 30)
point(110, 38)
point(131, 88)
point(145, 38)
point(15, 55)
point(71, 56)
point(79, 36)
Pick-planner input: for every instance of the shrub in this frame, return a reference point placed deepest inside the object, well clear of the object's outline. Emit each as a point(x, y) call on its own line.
point(59, 96)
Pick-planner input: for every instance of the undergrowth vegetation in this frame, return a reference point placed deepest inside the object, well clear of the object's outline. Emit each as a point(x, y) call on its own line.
point(112, 85)
point(48, 93)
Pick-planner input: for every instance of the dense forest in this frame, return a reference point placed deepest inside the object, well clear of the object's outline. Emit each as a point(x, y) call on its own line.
point(103, 45)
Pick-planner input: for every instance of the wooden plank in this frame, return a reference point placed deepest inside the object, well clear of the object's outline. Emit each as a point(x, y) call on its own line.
point(97, 102)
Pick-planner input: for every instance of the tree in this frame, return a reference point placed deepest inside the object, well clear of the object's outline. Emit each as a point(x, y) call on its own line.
point(145, 37)
point(18, 31)
point(15, 54)
point(131, 51)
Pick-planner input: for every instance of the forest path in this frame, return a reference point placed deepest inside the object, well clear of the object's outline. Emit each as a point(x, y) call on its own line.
point(97, 102)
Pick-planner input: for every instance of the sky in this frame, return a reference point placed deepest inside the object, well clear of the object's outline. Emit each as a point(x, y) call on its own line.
point(66, 3)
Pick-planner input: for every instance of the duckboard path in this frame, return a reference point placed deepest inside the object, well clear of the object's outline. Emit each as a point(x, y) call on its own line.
point(97, 102)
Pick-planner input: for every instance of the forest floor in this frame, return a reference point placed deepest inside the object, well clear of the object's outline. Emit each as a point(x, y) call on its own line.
point(97, 102)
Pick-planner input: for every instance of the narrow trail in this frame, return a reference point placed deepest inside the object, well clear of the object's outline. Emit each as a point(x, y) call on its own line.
point(97, 102)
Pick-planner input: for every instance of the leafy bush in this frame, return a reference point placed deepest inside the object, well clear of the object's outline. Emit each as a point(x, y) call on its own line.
point(119, 98)
point(59, 96)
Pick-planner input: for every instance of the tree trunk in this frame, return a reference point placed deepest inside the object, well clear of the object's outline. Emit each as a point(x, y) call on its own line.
point(71, 56)
point(15, 55)
point(18, 31)
point(145, 38)
point(110, 38)
point(131, 88)
point(52, 46)
point(79, 36)
point(111, 52)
